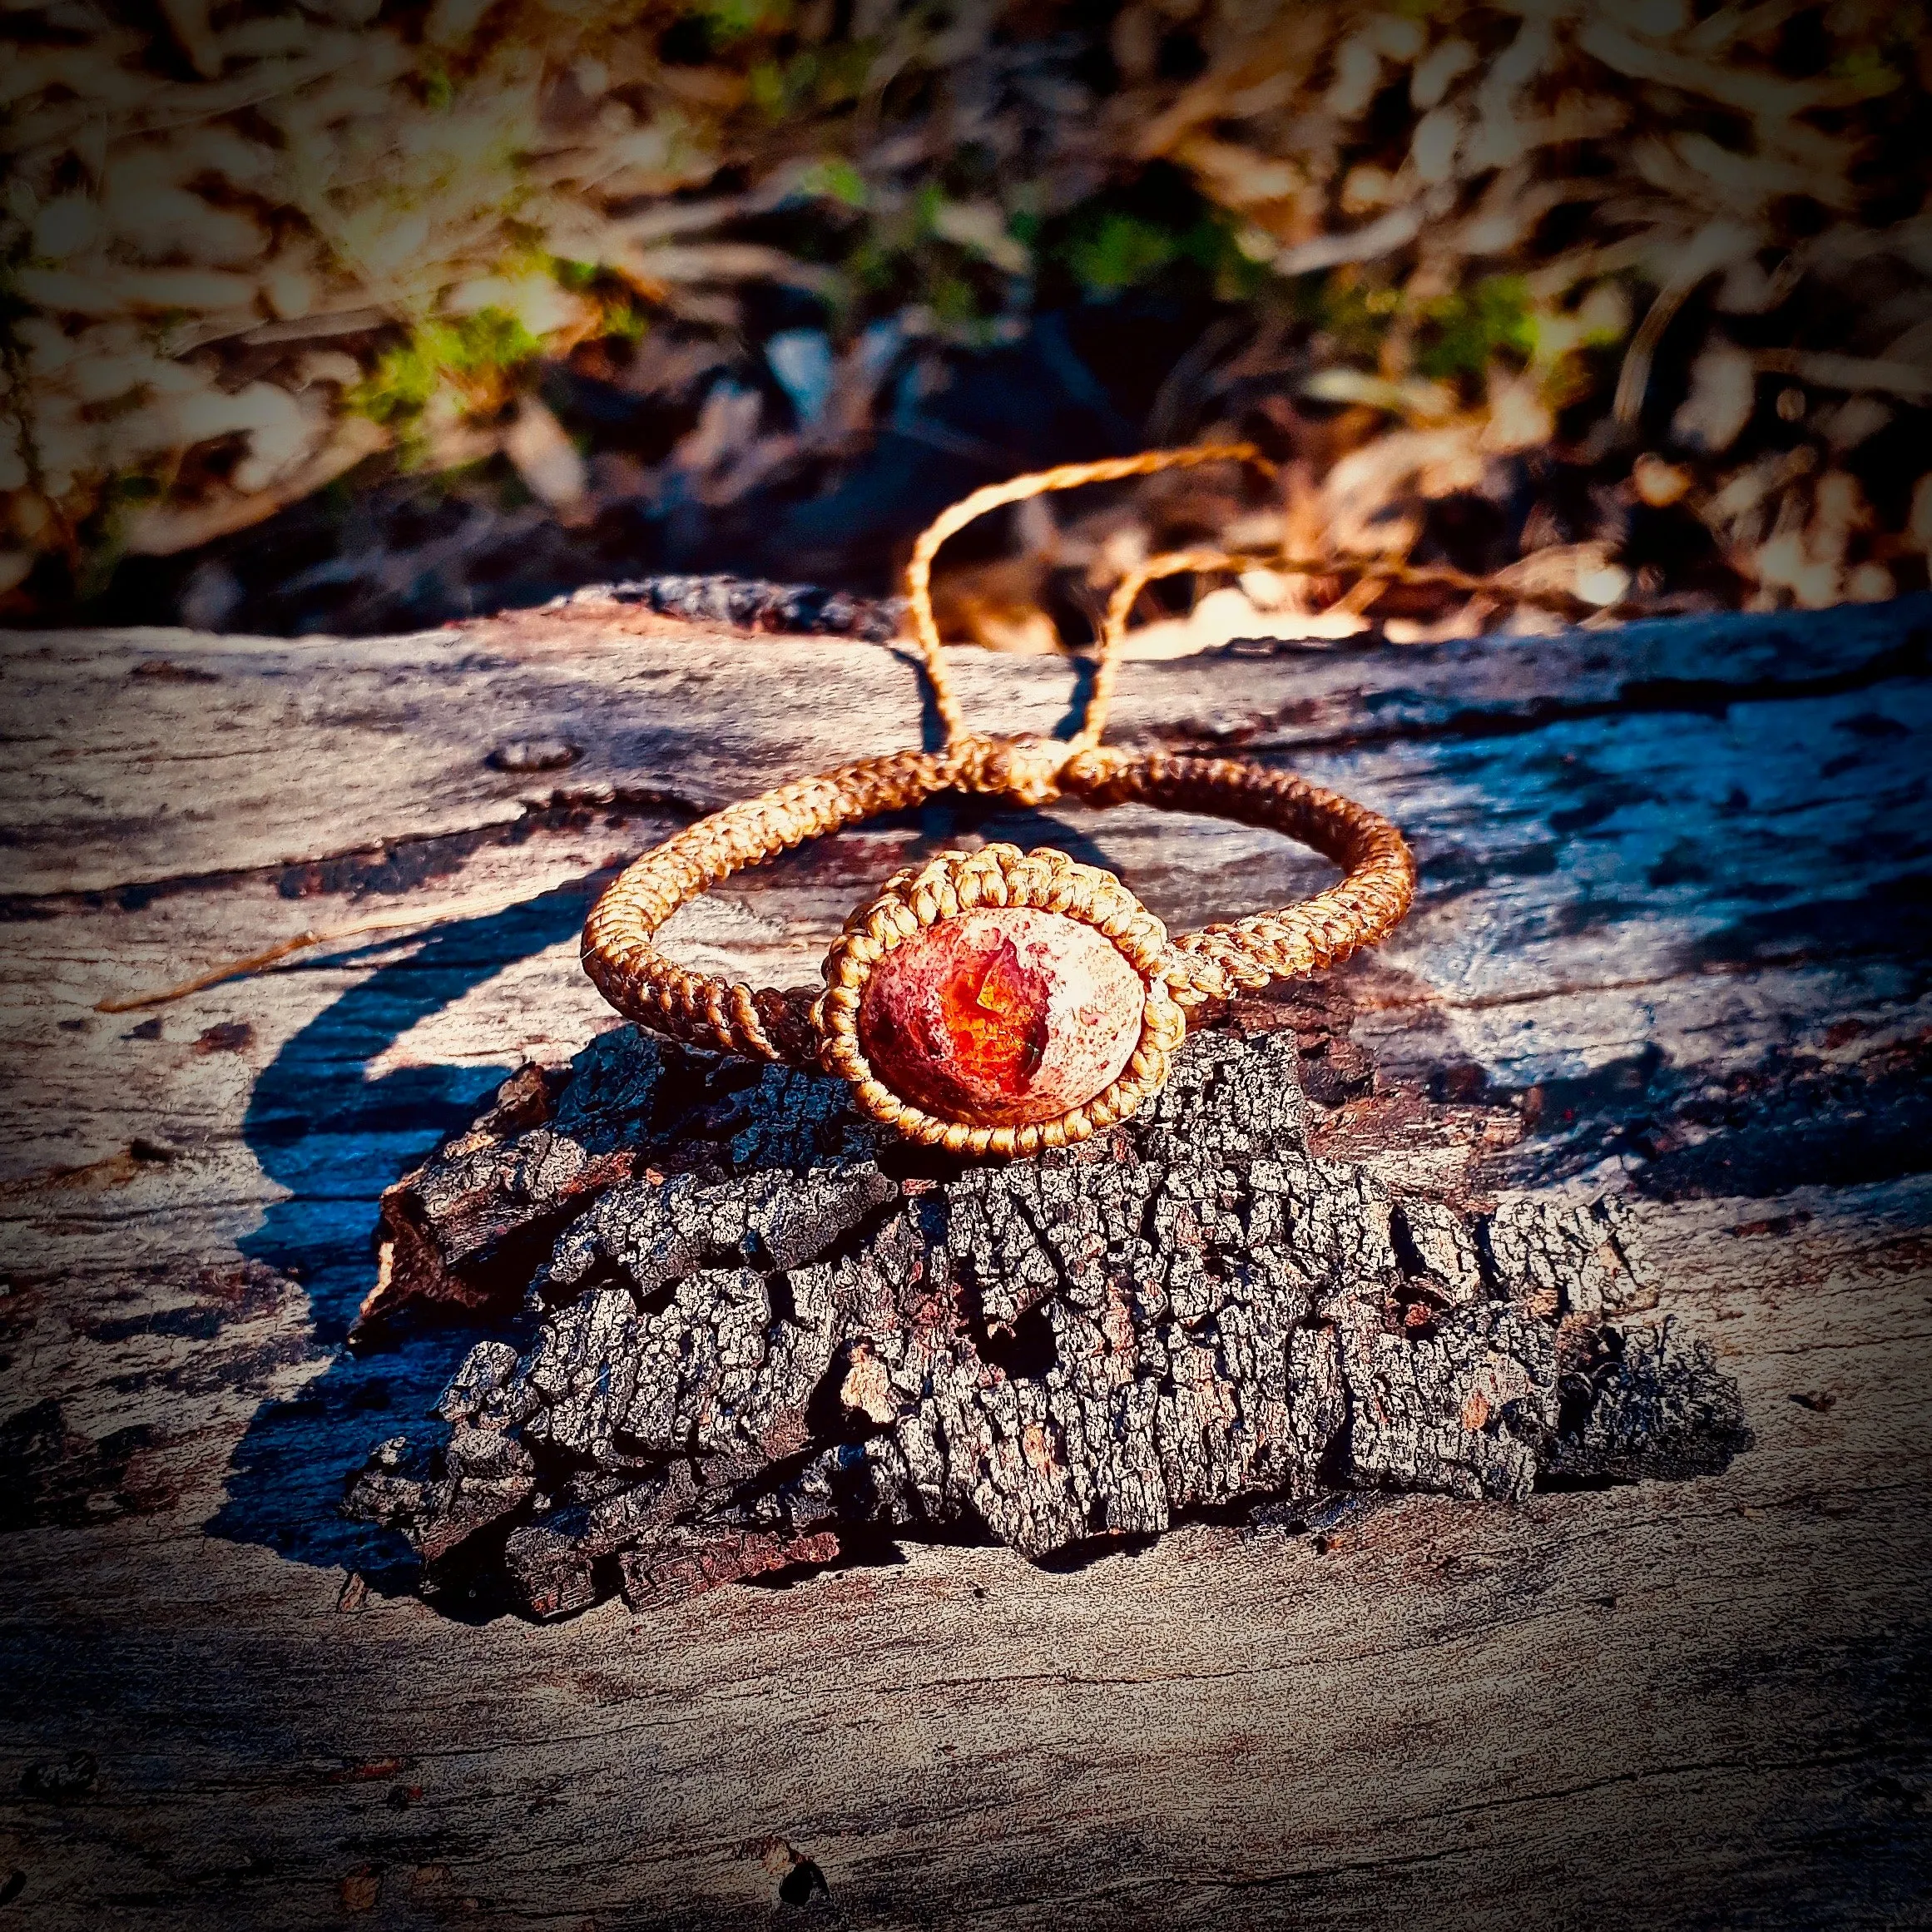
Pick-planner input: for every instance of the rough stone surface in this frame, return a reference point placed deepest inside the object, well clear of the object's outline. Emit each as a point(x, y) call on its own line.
point(1002, 1015)
point(782, 1336)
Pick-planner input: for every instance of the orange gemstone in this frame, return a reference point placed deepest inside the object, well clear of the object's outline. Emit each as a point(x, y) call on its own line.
point(1001, 1017)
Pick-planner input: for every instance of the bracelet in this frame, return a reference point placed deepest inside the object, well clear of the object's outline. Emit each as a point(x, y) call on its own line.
point(997, 1003)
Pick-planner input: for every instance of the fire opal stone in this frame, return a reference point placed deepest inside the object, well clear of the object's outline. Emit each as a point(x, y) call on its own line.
point(1001, 1017)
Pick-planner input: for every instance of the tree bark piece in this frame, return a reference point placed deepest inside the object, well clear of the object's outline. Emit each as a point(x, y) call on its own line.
point(750, 603)
point(765, 1327)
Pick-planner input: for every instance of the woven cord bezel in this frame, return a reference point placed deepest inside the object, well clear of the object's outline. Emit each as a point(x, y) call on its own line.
point(954, 883)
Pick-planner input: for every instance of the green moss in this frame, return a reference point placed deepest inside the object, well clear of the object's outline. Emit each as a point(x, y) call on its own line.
point(870, 266)
point(1119, 252)
point(812, 78)
point(482, 356)
point(1158, 231)
point(770, 94)
point(1476, 326)
point(625, 322)
point(835, 181)
point(726, 21)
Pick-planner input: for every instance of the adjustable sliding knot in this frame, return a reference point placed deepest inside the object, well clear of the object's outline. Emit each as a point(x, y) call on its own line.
point(1028, 770)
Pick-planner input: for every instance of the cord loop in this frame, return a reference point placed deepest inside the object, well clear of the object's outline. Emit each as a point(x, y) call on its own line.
point(919, 576)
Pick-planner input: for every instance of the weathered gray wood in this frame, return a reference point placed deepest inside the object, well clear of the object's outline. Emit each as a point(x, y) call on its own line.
point(136, 756)
point(1672, 942)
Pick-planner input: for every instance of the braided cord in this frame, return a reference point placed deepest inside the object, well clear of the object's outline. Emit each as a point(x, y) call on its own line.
point(1218, 962)
point(1113, 628)
point(919, 576)
point(639, 979)
point(1213, 964)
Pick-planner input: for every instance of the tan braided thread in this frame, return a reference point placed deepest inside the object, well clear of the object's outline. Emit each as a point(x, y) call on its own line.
point(621, 955)
point(1113, 629)
point(999, 876)
point(919, 576)
point(1219, 961)
point(1373, 573)
point(641, 982)
point(1372, 577)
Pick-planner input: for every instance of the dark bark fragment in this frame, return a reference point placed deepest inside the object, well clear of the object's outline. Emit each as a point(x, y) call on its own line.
point(692, 1560)
point(774, 1331)
point(437, 1500)
point(752, 604)
point(1651, 1402)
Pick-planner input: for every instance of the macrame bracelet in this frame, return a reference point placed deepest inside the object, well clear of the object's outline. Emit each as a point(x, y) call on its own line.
point(997, 1002)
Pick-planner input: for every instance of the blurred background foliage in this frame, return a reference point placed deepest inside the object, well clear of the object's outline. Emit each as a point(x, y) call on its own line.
point(361, 313)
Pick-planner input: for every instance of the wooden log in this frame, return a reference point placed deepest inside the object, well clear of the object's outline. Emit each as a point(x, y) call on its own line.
point(1671, 947)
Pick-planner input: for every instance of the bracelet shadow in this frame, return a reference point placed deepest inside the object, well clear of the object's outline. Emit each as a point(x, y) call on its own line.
point(1080, 670)
point(334, 1137)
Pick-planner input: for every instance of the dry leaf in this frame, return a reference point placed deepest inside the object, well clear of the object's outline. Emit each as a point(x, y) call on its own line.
point(1723, 393)
point(545, 458)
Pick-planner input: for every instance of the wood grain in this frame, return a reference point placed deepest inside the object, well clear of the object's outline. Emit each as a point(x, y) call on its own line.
point(1673, 943)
